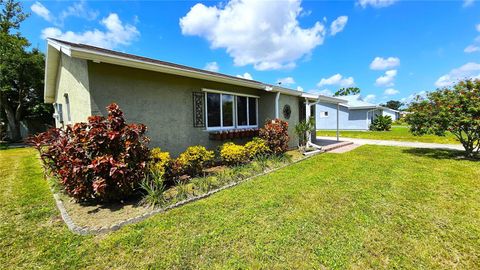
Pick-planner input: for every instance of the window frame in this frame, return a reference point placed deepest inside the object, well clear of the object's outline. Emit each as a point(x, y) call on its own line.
point(234, 108)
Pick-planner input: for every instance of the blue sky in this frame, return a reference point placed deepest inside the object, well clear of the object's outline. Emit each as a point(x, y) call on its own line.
point(389, 49)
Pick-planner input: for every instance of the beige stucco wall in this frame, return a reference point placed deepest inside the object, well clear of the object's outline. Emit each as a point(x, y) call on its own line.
point(164, 103)
point(72, 78)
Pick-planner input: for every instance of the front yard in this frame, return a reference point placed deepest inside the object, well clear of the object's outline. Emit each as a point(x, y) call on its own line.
point(397, 133)
point(374, 207)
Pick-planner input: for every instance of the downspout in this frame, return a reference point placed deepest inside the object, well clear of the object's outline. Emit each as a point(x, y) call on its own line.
point(277, 99)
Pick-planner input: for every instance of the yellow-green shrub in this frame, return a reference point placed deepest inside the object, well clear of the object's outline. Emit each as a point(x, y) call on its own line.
point(233, 153)
point(159, 161)
point(193, 159)
point(257, 147)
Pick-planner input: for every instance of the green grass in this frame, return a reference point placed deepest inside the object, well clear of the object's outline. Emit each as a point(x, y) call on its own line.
point(374, 207)
point(397, 133)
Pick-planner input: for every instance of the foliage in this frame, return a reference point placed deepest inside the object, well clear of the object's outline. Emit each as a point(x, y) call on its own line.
point(21, 72)
point(159, 161)
point(303, 129)
point(182, 190)
point(347, 91)
point(275, 133)
point(393, 104)
point(381, 123)
point(192, 161)
point(154, 187)
point(257, 147)
point(104, 159)
point(455, 109)
point(233, 154)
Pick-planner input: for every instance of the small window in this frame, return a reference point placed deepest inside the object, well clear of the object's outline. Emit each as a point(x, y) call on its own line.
point(242, 111)
point(227, 110)
point(252, 111)
point(323, 114)
point(326, 114)
point(213, 110)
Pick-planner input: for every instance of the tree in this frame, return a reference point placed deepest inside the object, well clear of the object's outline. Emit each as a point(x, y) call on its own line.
point(21, 71)
point(455, 109)
point(347, 91)
point(393, 104)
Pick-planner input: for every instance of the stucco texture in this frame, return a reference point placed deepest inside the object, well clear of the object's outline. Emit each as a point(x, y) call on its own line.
point(164, 103)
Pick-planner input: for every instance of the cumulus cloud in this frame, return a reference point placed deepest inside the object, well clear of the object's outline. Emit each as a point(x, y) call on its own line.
point(387, 79)
point(299, 88)
point(286, 81)
point(116, 33)
point(390, 92)
point(78, 9)
point(370, 98)
point(324, 92)
point(412, 97)
point(41, 11)
point(376, 3)
point(338, 25)
point(212, 66)
point(468, 3)
point(337, 79)
point(265, 34)
point(471, 49)
point(380, 63)
point(245, 75)
point(470, 70)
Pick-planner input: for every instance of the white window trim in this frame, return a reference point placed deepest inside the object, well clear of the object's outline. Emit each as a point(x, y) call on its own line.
point(234, 107)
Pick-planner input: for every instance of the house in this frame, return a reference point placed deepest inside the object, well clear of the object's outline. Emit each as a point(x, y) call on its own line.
point(355, 114)
point(181, 105)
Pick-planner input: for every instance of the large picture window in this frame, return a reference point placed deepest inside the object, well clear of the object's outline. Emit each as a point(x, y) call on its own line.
point(227, 110)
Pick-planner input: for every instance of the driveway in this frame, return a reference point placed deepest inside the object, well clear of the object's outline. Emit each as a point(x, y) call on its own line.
point(397, 143)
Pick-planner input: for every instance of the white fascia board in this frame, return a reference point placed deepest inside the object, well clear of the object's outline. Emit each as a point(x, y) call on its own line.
point(140, 64)
point(51, 69)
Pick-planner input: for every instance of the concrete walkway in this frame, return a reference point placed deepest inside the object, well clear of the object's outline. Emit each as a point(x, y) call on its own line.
point(397, 143)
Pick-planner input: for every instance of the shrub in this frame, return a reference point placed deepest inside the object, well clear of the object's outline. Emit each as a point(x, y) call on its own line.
point(154, 188)
point(257, 147)
point(104, 159)
point(159, 161)
point(275, 133)
point(303, 129)
point(381, 123)
point(233, 154)
point(193, 160)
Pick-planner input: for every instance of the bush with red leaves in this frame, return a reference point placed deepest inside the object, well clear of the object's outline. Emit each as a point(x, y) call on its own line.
point(103, 160)
point(275, 133)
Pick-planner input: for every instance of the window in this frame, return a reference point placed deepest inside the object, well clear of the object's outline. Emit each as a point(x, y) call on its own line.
point(323, 114)
point(225, 110)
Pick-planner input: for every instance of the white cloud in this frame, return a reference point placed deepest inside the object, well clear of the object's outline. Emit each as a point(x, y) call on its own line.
point(116, 33)
point(265, 34)
point(477, 27)
point(286, 81)
point(412, 97)
point(337, 79)
point(380, 63)
point(324, 92)
point(299, 88)
point(78, 9)
point(245, 75)
point(387, 79)
point(338, 25)
point(212, 66)
point(471, 49)
point(376, 3)
point(370, 98)
point(391, 92)
point(468, 71)
point(41, 11)
point(467, 3)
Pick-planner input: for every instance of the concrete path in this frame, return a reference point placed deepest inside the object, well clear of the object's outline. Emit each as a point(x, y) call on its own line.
point(397, 143)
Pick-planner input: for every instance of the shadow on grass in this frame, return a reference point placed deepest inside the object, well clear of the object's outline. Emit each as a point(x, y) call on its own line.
point(439, 154)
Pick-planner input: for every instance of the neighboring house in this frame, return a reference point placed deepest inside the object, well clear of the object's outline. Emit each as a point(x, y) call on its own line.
point(180, 105)
point(355, 114)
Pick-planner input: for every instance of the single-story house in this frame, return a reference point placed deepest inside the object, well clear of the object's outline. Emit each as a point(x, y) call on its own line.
point(180, 105)
point(355, 114)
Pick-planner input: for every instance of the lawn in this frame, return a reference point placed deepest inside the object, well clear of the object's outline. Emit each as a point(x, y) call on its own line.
point(374, 207)
point(397, 133)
